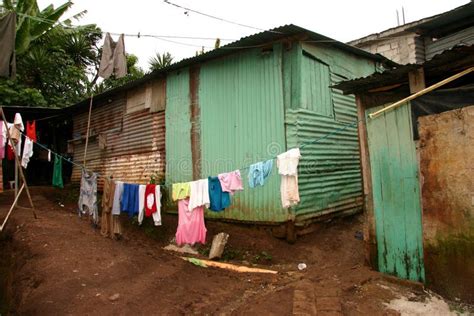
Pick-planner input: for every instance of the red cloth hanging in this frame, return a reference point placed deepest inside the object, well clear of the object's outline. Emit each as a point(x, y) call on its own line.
point(10, 153)
point(150, 200)
point(31, 130)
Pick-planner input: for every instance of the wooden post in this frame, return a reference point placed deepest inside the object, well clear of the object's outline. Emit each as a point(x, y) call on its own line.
point(422, 92)
point(370, 237)
point(416, 78)
point(11, 208)
point(17, 161)
point(87, 132)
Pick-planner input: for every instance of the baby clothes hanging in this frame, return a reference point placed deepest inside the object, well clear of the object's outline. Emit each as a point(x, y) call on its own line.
point(231, 181)
point(110, 224)
point(287, 163)
point(141, 203)
point(191, 226)
point(58, 172)
point(31, 130)
point(157, 215)
point(199, 194)
point(181, 190)
point(150, 199)
point(219, 200)
point(88, 196)
point(259, 172)
point(129, 201)
point(117, 197)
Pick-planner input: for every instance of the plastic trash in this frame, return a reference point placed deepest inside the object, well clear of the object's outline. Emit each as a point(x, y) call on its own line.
point(302, 266)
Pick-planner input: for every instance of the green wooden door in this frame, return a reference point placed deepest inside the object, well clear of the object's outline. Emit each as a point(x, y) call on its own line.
point(396, 194)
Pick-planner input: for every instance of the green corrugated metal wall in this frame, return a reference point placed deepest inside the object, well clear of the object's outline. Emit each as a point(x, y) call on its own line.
point(329, 171)
point(178, 128)
point(256, 104)
point(396, 193)
point(242, 122)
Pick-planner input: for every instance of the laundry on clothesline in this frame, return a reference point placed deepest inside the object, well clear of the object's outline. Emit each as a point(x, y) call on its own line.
point(259, 172)
point(287, 163)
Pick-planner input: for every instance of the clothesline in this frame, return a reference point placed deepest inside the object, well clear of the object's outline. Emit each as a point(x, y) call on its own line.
point(346, 126)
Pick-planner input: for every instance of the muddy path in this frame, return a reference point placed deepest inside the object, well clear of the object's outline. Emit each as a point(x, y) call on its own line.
point(60, 265)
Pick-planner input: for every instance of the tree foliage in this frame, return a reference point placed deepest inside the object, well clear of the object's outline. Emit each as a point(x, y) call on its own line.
point(160, 61)
point(57, 63)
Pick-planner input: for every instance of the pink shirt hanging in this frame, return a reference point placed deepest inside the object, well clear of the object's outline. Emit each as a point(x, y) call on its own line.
point(231, 181)
point(191, 227)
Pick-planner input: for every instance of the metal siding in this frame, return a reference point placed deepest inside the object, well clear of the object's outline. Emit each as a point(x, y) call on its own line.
point(315, 87)
point(179, 164)
point(329, 171)
point(135, 143)
point(242, 122)
point(396, 193)
point(464, 37)
point(344, 105)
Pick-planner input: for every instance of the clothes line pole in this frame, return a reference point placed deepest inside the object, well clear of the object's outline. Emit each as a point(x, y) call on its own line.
point(422, 92)
point(11, 208)
point(87, 132)
point(17, 161)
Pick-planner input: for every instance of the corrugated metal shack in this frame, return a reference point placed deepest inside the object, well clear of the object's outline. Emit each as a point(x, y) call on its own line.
point(418, 173)
point(127, 134)
point(233, 106)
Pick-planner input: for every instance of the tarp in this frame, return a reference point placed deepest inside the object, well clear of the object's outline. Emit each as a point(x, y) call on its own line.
point(439, 101)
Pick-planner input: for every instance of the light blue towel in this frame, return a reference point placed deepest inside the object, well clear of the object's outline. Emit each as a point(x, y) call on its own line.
point(259, 172)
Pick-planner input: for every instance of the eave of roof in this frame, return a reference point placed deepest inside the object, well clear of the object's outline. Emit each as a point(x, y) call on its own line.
point(253, 41)
point(455, 59)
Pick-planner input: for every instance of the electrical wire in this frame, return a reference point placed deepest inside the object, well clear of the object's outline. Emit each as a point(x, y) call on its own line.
point(216, 17)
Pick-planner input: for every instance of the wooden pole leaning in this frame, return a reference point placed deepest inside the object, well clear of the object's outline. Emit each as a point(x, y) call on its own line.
point(20, 170)
point(421, 92)
point(87, 132)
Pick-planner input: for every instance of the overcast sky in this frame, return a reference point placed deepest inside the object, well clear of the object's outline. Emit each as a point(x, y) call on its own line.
point(341, 20)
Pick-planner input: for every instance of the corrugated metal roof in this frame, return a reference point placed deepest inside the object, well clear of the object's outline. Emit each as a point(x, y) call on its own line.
point(452, 60)
point(256, 40)
point(450, 21)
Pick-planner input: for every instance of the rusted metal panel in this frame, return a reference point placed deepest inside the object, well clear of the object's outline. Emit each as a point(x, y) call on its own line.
point(242, 122)
point(134, 143)
point(195, 122)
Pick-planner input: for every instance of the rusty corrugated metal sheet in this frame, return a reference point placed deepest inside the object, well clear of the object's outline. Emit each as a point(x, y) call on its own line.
point(242, 122)
point(135, 143)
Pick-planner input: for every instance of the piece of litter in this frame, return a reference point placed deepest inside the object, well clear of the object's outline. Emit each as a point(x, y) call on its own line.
point(228, 266)
point(96, 273)
point(83, 284)
point(98, 294)
point(114, 297)
point(302, 266)
point(75, 271)
point(218, 243)
point(185, 249)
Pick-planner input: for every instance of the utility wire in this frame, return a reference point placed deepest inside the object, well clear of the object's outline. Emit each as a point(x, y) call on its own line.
point(216, 17)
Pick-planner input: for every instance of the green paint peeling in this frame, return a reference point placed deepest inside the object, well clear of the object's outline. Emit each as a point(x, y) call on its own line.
point(396, 194)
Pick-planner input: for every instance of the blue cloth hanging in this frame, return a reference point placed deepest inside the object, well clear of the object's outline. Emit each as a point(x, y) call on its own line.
point(259, 172)
point(129, 202)
point(219, 199)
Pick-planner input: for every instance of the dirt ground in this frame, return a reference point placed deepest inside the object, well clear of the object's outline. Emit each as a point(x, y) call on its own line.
point(59, 264)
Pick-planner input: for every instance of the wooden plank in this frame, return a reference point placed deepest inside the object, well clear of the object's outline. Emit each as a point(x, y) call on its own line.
point(396, 194)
